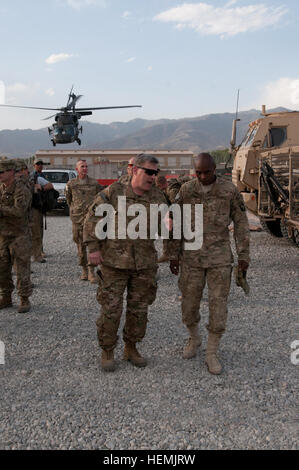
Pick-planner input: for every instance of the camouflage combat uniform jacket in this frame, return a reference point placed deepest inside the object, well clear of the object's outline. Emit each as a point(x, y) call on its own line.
point(221, 205)
point(123, 253)
point(15, 204)
point(79, 197)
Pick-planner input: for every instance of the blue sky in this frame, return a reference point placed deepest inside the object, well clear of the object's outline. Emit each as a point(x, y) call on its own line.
point(176, 58)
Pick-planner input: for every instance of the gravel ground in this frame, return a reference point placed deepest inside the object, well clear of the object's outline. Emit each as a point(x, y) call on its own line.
point(54, 394)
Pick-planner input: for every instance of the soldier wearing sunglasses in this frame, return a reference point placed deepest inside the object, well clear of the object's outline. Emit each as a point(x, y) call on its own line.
point(125, 264)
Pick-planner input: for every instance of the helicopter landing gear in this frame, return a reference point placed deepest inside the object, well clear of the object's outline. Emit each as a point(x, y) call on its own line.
point(79, 141)
point(54, 143)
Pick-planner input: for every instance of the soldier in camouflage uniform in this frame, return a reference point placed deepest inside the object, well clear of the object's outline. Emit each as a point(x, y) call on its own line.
point(171, 190)
point(80, 193)
point(212, 263)
point(15, 244)
point(174, 185)
point(126, 178)
point(125, 264)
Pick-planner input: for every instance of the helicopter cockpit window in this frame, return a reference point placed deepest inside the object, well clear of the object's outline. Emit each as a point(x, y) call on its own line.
point(277, 136)
point(57, 176)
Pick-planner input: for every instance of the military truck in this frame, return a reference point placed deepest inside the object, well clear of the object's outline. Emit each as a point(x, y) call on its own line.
point(266, 171)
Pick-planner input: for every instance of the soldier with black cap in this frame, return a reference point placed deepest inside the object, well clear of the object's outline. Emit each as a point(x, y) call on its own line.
point(15, 246)
point(40, 184)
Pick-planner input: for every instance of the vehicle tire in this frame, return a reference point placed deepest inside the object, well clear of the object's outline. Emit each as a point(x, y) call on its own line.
point(271, 226)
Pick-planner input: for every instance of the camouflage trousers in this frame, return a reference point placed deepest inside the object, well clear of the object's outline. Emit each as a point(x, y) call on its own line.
point(78, 239)
point(192, 282)
point(141, 292)
point(15, 251)
point(37, 232)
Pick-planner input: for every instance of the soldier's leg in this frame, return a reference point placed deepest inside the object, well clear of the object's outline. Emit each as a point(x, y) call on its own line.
point(191, 283)
point(20, 251)
point(6, 283)
point(219, 280)
point(81, 249)
point(164, 258)
point(36, 230)
point(142, 288)
point(112, 285)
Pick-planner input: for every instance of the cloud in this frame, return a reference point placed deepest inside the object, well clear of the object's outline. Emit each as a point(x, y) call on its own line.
point(54, 58)
point(2, 92)
point(149, 68)
point(222, 21)
point(283, 92)
point(78, 4)
point(126, 15)
point(50, 92)
point(17, 88)
point(131, 59)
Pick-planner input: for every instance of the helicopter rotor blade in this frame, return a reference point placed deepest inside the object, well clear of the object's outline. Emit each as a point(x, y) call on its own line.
point(72, 103)
point(29, 107)
point(109, 107)
point(49, 117)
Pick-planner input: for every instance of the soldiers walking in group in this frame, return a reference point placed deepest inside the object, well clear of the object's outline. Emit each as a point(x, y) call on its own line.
point(130, 263)
point(80, 193)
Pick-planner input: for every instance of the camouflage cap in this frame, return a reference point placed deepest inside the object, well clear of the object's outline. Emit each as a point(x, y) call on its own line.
point(6, 165)
point(20, 164)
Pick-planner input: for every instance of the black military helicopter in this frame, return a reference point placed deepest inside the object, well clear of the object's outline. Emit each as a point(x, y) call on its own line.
point(65, 129)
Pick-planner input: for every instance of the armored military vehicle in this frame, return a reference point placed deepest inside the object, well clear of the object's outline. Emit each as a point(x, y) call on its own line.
point(266, 171)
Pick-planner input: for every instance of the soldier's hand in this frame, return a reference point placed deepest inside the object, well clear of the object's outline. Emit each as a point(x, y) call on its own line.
point(95, 258)
point(243, 265)
point(174, 267)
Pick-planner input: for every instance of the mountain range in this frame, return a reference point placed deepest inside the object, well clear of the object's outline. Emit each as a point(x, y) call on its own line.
point(203, 133)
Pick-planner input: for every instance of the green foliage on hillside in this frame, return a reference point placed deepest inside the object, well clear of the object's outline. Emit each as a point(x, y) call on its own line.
point(220, 156)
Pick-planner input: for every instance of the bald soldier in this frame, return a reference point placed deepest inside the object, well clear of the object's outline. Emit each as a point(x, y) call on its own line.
point(15, 243)
point(212, 263)
point(125, 263)
point(80, 193)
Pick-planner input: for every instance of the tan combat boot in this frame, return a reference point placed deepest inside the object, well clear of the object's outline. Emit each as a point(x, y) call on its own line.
point(131, 354)
point(84, 275)
point(212, 361)
point(91, 275)
point(24, 305)
point(193, 343)
point(107, 360)
point(5, 301)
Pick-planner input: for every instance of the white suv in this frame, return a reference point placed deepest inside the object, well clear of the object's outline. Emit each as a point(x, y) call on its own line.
point(59, 177)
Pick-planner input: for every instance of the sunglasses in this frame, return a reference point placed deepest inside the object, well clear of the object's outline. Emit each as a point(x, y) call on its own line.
point(149, 171)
